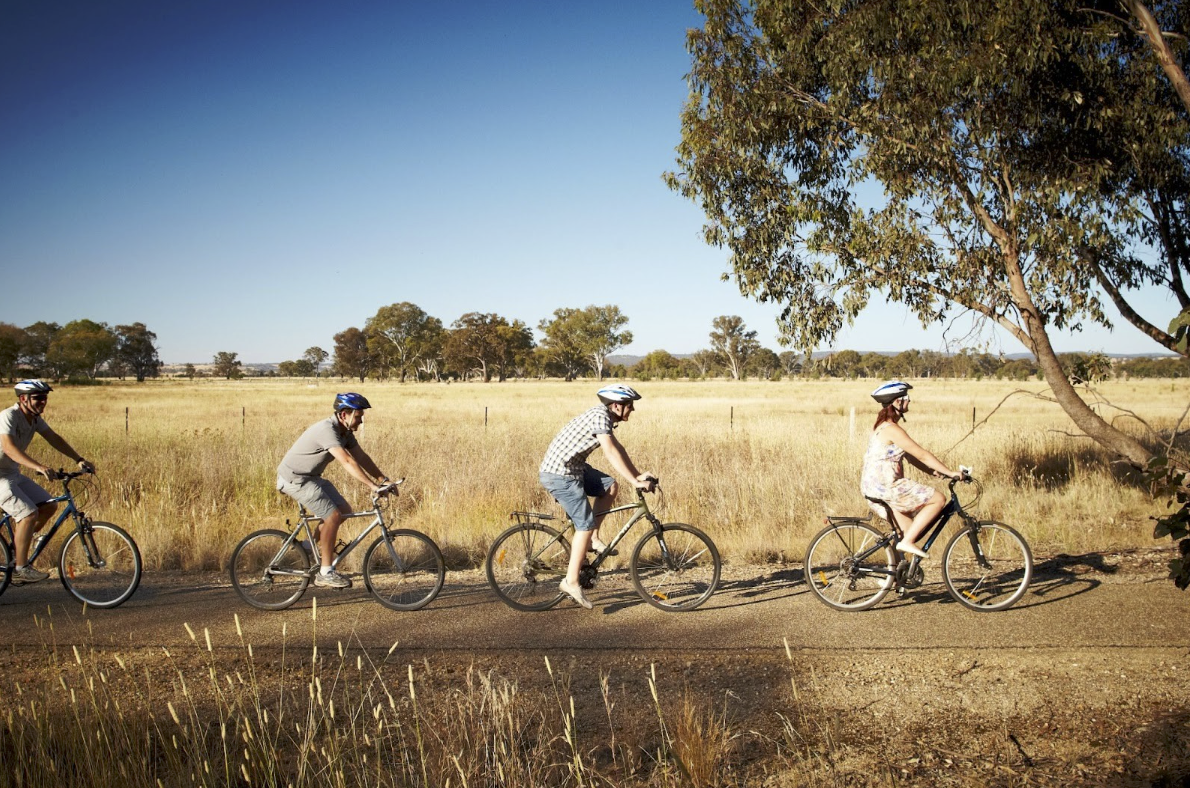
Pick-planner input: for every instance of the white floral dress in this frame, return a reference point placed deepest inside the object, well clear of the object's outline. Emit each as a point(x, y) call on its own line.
point(883, 478)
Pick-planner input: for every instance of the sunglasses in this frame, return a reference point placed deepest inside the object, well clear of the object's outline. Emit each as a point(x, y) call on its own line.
point(39, 397)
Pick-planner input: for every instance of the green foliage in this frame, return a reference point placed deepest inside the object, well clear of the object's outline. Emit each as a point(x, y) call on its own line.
point(352, 357)
point(584, 337)
point(733, 344)
point(82, 347)
point(401, 337)
point(1168, 483)
point(227, 365)
point(136, 351)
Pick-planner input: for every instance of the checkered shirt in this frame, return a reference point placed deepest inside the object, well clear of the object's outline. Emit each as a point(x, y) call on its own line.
point(569, 450)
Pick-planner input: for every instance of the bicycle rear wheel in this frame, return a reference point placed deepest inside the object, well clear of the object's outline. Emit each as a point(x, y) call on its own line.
point(847, 568)
point(525, 565)
point(675, 568)
point(987, 566)
point(5, 565)
point(408, 576)
point(100, 565)
point(263, 576)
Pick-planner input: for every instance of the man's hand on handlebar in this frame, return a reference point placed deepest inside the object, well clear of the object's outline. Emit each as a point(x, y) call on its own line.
point(388, 488)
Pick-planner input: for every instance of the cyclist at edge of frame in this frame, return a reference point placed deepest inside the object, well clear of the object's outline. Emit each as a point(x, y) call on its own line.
point(300, 476)
point(565, 474)
point(914, 505)
point(20, 497)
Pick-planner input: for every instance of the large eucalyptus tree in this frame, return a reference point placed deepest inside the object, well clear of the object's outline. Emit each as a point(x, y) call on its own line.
point(953, 156)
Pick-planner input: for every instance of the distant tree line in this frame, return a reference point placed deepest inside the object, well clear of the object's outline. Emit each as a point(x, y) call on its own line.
point(82, 349)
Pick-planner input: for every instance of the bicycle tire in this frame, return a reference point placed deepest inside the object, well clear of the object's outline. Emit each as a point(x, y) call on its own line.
point(113, 581)
point(675, 568)
point(249, 568)
point(838, 576)
point(5, 565)
point(1000, 580)
point(414, 579)
point(525, 565)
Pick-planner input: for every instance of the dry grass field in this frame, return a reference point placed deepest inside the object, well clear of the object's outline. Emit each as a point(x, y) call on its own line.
point(188, 467)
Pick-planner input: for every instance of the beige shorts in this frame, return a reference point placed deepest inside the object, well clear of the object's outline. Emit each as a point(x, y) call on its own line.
point(20, 496)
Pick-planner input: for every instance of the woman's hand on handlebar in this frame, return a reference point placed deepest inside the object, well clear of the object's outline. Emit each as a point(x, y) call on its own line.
point(646, 481)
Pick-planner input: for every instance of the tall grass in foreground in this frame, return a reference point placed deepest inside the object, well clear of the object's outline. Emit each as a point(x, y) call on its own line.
point(332, 717)
point(189, 468)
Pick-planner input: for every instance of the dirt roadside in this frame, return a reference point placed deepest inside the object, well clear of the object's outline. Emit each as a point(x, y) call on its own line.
point(898, 711)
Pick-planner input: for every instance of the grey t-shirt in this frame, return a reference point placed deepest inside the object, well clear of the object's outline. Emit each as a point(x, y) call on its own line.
point(311, 453)
point(14, 424)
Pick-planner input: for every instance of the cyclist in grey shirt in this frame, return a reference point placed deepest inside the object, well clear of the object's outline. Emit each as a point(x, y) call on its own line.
point(300, 476)
point(21, 497)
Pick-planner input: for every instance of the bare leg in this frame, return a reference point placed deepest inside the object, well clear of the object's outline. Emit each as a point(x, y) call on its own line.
point(924, 517)
point(602, 504)
point(22, 532)
point(578, 555)
point(328, 535)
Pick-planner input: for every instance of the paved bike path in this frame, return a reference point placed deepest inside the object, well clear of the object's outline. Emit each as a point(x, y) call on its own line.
point(756, 608)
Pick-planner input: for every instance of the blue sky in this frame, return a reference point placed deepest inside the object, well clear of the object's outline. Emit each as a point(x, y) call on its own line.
point(257, 175)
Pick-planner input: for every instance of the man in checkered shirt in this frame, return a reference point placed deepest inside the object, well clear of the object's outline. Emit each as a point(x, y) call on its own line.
point(568, 477)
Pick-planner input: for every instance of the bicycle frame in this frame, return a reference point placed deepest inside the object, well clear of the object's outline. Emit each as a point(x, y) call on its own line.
point(933, 532)
point(641, 507)
point(304, 520)
point(43, 538)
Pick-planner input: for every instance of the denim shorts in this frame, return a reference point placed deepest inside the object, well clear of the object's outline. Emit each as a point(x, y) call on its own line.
point(316, 494)
point(572, 494)
point(20, 496)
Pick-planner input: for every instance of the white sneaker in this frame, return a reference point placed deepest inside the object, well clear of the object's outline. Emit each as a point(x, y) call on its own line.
point(575, 593)
point(28, 574)
point(332, 580)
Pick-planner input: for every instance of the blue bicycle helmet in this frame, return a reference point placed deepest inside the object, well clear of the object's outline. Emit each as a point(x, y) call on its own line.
point(351, 401)
point(891, 391)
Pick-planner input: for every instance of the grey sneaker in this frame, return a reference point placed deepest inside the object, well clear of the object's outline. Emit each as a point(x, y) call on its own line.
point(333, 580)
point(28, 574)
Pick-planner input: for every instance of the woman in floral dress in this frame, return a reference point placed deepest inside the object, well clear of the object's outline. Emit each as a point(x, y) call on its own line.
point(914, 505)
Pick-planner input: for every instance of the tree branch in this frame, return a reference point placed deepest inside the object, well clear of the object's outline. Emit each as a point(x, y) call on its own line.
point(1130, 314)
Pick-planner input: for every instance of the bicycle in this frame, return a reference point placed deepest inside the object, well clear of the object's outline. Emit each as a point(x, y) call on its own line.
point(99, 563)
point(403, 569)
point(986, 566)
point(673, 567)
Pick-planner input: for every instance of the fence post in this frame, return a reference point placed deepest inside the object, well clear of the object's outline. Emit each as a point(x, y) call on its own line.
point(243, 416)
point(973, 418)
point(732, 421)
point(485, 416)
point(125, 419)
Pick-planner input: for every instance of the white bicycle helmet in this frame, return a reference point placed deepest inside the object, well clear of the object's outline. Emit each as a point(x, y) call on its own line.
point(617, 393)
point(891, 391)
point(32, 387)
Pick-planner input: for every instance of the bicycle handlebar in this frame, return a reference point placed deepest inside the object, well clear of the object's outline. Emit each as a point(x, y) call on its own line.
point(392, 485)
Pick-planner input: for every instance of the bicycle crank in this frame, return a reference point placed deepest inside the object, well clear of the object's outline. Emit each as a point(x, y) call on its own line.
point(587, 577)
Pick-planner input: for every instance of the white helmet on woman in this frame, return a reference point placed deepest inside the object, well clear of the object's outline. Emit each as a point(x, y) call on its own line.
point(32, 387)
point(617, 393)
point(891, 391)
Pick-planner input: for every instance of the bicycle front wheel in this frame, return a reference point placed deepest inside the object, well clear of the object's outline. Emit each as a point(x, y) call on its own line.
point(264, 576)
point(847, 568)
point(100, 565)
point(405, 571)
point(987, 566)
point(525, 566)
point(675, 568)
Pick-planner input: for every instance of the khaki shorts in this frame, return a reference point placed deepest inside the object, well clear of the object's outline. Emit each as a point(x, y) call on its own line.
point(20, 496)
point(316, 494)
